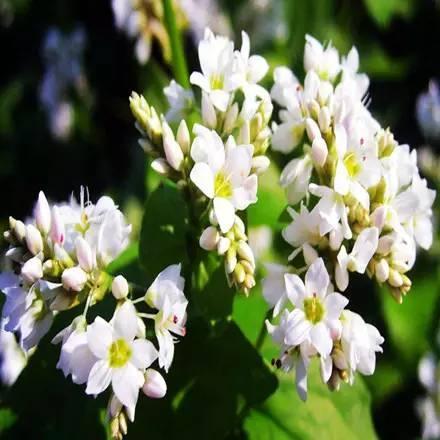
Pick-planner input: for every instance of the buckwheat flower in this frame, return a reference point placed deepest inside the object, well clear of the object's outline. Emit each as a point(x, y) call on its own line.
point(166, 295)
point(180, 101)
point(357, 260)
point(316, 315)
point(295, 178)
point(360, 342)
point(223, 175)
point(216, 56)
point(324, 61)
point(285, 85)
point(121, 359)
point(42, 213)
point(251, 69)
point(76, 358)
point(12, 358)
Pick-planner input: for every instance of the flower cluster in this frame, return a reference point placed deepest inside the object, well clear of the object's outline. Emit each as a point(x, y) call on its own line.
point(58, 260)
point(428, 406)
point(143, 20)
point(64, 70)
point(357, 202)
point(220, 162)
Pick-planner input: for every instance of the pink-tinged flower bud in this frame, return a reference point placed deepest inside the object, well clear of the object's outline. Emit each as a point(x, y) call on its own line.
point(378, 217)
point(155, 385)
point(223, 245)
point(57, 230)
point(324, 119)
point(208, 112)
point(42, 213)
point(74, 279)
point(32, 270)
point(319, 151)
point(119, 287)
point(34, 241)
point(260, 164)
point(183, 137)
point(84, 254)
point(312, 129)
point(209, 238)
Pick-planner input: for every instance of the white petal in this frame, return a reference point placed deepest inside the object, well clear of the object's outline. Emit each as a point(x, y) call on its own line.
point(225, 213)
point(326, 368)
point(144, 353)
point(125, 322)
point(126, 383)
point(99, 378)
point(320, 338)
point(220, 99)
point(334, 304)
point(341, 272)
point(317, 279)
point(294, 288)
point(198, 79)
point(301, 378)
point(203, 177)
point(99, 337)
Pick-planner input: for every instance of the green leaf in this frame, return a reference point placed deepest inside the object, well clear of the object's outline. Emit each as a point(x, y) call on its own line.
point(7, 419)
point(164, 229)
point(383, 11)
point(325, 415)
point(211, 294)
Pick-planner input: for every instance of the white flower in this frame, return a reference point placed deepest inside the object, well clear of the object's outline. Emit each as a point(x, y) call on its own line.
point(120, 287)
point(179, 99)
point(166, 295)
point(357, 260)
point(360, 343)
point(222, 174)
point(155, 386)
point(76, 358)
point(42, 213)
point(295, 178)
point(216, 56)
point(32, 270)
point(285, 85)
point(324, 61)
point(74, 278)
point(12, 358)
point(121, 359)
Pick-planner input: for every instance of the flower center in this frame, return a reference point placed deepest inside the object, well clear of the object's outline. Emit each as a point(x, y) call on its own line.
point(222, 186)
point(217, 82)
point(119, 353)
point(352, 164)
point(313, 309)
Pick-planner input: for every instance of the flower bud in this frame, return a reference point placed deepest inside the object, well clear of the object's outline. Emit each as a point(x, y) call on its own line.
point(172, 150)
point(42, 213)
point(378, 217)
point(212, 218)
point(18, 228)
point(155, 385)
point(339, 359)
point(394, 278)
point(62, 256)
point(183, 137)
point(74, 278)
point(57, 230)
point(384, 245)
point(245, 252)
point(324, 91)
point(231, 260)
point(161, 166)
point(245, 133)
point(382, 270)
point(34, 240)
point(209, 238)
point(208, 112)
point(231, 118)
point(260, 164)
point(32, 270)
point(312, 129)
point(119, 287)
point(84, 254)
point(239, 273)
point(324, 119)
point(223, 245)
point(319, 151)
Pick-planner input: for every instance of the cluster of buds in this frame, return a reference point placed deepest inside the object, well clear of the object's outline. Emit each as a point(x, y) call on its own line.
point(363, 206)
point(144, 21)
point(220, 158)
point(59, 260)
point(238, 255)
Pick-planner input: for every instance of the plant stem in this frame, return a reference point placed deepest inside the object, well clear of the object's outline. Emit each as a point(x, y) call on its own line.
point(178, 56)
point(262, 333)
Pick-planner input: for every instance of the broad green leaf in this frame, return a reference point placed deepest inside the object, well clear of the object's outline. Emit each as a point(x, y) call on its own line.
point(127, 264)
point(325, 415)
point(383, 11)
point(164, 229)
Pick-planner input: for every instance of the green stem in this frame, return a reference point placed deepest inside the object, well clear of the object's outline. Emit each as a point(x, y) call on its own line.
point(178, 56)
point(262, 333)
